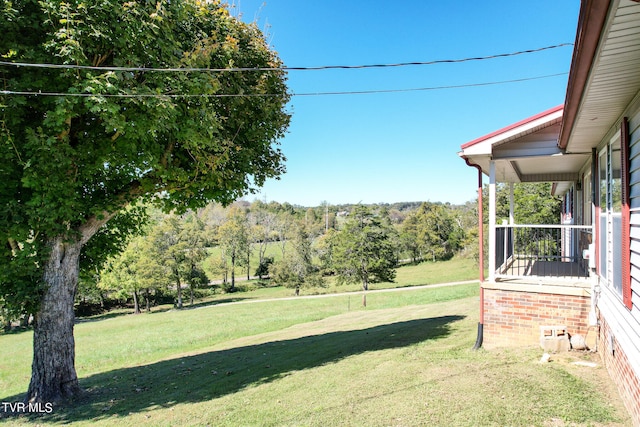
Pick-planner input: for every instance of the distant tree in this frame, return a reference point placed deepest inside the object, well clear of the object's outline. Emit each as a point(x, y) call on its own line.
point(171, 251)
point(438, 233)
point(467, 218)
point(233, 238)
point(88, 290)
point(263, 224)
point(409, 237)
point(212, 216)
point(264, 267)
point(179, 244)
point(193, 234)
point(5, 320)
point(135, 272)
point(362, 251)
point(324, 248)
point(533, 203)
point(218, 266)
point(296, 270)
point(314, 222)
point(282, 229)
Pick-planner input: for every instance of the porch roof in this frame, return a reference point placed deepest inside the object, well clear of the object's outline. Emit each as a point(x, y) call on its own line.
point(526, 151)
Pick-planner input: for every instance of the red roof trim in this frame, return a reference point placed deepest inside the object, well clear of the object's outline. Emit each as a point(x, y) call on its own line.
point(593, 14)
point(513, 126)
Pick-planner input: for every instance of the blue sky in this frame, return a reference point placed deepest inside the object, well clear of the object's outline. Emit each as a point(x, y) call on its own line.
point(394, 147)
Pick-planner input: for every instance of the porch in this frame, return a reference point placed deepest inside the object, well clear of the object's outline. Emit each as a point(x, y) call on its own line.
point(549, 254)
point(541, 277)
point(538, 274)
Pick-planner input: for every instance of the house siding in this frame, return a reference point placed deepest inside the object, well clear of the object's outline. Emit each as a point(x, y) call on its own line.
point(514, 317)
point(619, 327)
point(619, 355)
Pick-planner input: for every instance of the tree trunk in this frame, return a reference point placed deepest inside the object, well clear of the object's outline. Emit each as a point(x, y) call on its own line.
point(147, 298)
point(136, 303)
point(261, 251)
point(176, 276)
point(6, 322)
point(179, 290)
point(24, 321)
point(365, 288)
point(249, 263)
point(233, 274)
point(53, 372)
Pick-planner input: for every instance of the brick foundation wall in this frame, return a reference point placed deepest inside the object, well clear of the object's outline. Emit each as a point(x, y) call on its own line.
point(620, 371)
point(514, 318)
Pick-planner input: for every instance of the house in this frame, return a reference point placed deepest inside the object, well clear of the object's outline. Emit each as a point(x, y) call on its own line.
point(582, 275)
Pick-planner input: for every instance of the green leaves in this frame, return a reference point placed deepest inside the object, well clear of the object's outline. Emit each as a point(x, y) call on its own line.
point(363, 250)
point(432, 231)
point(65, 160)
point(533, 203)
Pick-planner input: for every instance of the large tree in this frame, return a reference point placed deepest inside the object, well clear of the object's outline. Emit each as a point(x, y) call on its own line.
point(116, 131)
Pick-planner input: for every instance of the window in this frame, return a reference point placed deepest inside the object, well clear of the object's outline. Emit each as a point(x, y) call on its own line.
point(586, 199)
point(602, 187)
point(610, 214)
point(614, 240)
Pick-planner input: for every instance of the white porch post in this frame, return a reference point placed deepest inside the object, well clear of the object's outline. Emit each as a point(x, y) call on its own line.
point(511, 204)
point(492, 221)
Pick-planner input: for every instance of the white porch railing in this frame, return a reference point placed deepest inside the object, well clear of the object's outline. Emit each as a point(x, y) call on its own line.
point(551, 251)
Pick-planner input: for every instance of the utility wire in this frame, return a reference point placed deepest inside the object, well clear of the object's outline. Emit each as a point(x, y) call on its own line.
point(363, 92)
point(242, 69)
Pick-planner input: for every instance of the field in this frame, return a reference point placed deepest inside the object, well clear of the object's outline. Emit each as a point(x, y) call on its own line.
point(405, 360)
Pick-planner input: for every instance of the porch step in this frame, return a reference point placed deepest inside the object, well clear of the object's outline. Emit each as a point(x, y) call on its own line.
point(554, 338)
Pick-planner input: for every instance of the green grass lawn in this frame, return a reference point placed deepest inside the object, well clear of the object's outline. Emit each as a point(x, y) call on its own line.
point(405, 360)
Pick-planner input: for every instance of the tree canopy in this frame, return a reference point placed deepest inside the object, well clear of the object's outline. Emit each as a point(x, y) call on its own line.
point(116, 131)
point(363, 250)
point(533, 203)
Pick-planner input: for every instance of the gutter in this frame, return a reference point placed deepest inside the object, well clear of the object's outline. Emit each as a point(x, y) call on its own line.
point(479, 338)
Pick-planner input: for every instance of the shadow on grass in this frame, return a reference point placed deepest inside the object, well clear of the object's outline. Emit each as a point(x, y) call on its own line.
point(210, 375)
point(155, 310)
point(213, 302)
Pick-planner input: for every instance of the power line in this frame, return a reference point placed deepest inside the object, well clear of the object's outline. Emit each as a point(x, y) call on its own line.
point(362, 92)
point(440, 61)
point(243, 69)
